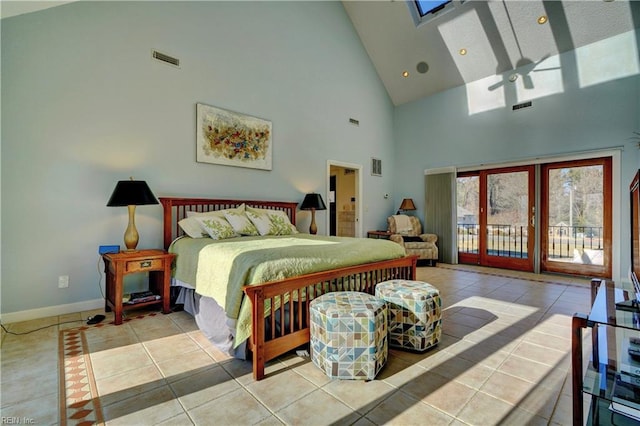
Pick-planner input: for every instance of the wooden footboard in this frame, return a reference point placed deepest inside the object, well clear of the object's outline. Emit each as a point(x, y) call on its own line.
point(286, 302)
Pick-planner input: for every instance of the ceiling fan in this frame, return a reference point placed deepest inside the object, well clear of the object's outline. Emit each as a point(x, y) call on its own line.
point(523, 68)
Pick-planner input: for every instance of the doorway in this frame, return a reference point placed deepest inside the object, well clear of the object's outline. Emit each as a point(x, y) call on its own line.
point(344, 181)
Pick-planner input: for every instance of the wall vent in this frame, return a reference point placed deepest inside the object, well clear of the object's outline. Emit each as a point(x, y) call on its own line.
point(165, 58)
point(354, 121)
point(522, 105)
point(376, 167)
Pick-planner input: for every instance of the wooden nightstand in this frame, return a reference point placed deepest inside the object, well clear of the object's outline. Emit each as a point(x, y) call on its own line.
point(378, 234)
point(116, 265)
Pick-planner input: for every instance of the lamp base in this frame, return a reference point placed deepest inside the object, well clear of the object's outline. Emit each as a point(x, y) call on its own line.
point(313, 229)
point(131, 236)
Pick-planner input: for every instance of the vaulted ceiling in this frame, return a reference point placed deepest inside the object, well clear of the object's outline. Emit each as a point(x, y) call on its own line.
point(497, 36)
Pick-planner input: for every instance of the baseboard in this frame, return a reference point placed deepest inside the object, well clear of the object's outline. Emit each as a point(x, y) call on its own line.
point(51, 311)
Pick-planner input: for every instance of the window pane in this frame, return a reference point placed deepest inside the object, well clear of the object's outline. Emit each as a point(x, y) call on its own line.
point(426, 7)
point(576, 215)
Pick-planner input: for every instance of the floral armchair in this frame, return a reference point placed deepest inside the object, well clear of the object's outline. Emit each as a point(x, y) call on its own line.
point(407, 231)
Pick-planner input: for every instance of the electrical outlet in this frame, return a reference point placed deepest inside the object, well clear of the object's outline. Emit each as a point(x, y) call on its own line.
point(63, 281)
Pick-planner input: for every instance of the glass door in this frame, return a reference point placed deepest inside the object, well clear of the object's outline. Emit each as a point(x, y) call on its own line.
point(495, 217)
point(507, 218)
point(576, 221)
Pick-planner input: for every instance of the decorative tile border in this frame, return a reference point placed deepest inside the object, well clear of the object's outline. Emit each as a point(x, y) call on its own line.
point(79, 399)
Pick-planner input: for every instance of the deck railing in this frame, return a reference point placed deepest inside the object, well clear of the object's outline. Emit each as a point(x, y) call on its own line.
point(511, 240)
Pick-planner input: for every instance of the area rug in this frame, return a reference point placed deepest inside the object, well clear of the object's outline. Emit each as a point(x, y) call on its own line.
point(79, 399)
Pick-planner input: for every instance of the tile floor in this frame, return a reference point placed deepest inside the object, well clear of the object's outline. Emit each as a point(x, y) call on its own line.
point(503, 359)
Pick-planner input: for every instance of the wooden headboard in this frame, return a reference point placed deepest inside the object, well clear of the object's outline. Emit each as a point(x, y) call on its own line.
point(175, 209)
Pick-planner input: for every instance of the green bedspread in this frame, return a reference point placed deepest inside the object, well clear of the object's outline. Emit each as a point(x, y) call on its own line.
point(219, 269)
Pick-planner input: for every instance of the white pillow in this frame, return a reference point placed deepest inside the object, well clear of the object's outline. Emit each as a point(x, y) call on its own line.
point(241, 223)
point(271, 222)
point(217, 227)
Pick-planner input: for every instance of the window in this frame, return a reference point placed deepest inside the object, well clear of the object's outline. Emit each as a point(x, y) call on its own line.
point(427, 7)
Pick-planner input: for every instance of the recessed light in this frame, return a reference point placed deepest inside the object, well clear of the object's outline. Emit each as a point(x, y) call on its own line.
point(462, 51)
point(542, 19)
point(405, 74)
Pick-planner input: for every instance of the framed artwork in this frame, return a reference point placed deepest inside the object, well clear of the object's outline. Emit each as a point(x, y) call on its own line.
point(232, 139)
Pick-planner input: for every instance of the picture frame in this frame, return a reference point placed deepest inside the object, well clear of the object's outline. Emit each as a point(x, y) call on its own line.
point(232, 139)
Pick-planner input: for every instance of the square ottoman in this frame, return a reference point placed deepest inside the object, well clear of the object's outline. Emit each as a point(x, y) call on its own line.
point(349, 334)
point(415, 317)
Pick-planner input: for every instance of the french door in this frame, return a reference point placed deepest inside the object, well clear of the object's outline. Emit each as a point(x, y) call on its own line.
point(496, 217)
point(576, 226)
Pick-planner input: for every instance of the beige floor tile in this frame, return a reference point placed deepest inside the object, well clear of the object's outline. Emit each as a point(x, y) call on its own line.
point(532, 371)
point(318, 408)
point(439, 392)
point(40, 410)
point(170, 347)
point(119, 387)
point(402, 410)
point(186, 364)
point(147, 408)
point(203, 386)
point(362, 396)
point(181, 419)
point(118, 360)
point(27, 387)
point(525, 395)
point(238, 407)
point(291, 387)
point(552, 357)
point(483, 410)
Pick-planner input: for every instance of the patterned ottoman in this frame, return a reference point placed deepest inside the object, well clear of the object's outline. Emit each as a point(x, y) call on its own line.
point(349, 334)
point(415, 321)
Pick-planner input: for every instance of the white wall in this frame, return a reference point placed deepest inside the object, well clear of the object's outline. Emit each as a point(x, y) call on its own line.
point(581, 103)
point(84, 105)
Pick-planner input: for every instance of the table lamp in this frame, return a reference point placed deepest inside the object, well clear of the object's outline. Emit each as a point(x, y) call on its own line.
point(313, 202)
point(131, 193)
point(406, 205)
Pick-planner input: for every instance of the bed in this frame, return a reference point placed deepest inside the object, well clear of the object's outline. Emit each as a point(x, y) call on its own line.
point(278, 308)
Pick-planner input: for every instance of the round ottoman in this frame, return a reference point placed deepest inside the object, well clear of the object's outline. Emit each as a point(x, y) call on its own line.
point(415, 317)
point(348, 334)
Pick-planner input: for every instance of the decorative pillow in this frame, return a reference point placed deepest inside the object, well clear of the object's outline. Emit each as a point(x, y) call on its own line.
point(192, 228)
point(241, 223)
point(271, 222)
point(217, 227)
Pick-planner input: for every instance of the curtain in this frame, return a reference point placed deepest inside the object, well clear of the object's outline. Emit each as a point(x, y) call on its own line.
point(440, 211)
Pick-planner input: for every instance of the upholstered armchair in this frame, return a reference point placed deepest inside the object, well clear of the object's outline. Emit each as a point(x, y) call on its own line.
point(407, 231)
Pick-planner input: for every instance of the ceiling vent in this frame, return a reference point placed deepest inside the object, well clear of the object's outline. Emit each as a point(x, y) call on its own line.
point(354, 121)
point(162, 57)
point(522, 105)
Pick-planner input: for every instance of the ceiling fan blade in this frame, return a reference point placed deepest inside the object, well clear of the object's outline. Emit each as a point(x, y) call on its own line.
point(494, 86)
point(527, 81)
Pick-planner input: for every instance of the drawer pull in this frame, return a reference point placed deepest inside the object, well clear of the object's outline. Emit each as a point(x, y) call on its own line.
point(145, 264)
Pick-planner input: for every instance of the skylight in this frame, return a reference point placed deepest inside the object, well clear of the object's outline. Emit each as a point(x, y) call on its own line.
point(427, 7)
